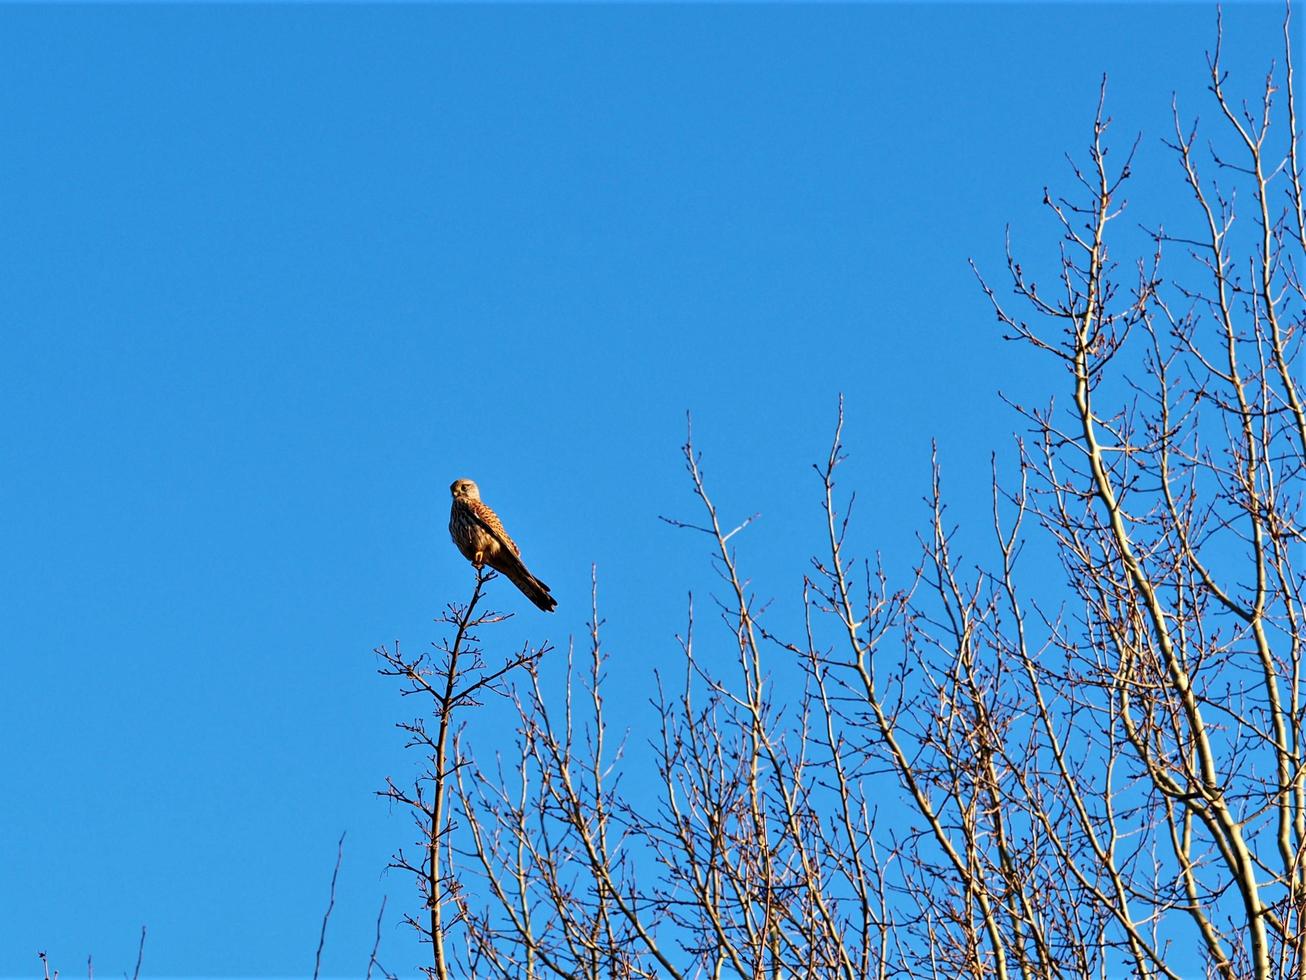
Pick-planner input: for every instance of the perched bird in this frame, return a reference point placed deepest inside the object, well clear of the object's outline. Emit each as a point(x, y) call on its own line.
point(479, 535)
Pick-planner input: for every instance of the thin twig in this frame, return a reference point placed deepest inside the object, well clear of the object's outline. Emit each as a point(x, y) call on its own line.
point(331, 903)
point(140, 955)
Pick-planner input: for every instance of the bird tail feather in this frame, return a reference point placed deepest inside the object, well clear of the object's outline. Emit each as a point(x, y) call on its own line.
point(531, 587)
point(534, 590)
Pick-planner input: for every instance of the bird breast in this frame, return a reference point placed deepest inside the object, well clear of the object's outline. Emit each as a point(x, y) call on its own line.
point(469, 535)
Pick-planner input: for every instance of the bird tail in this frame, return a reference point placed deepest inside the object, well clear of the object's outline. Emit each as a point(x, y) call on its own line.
point(531, 587)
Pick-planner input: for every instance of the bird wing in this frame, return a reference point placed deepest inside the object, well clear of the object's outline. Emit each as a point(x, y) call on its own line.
point(489, 522)
point(509, 553)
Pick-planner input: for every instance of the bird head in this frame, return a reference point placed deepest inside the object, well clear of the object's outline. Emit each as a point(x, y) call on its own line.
point(465, 488)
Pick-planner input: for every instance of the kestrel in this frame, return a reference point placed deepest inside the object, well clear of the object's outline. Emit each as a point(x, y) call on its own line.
point(479, 535)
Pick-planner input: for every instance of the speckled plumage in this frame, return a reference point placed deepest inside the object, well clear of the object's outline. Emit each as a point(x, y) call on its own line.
point(479, 535)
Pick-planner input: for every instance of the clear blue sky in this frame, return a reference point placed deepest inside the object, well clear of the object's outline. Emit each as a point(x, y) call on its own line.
point(271, 277)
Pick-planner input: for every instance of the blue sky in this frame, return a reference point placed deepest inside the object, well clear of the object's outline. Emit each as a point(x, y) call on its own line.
point(275, 275)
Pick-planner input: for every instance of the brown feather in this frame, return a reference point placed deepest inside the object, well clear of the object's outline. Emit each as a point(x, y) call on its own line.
point(479, 535)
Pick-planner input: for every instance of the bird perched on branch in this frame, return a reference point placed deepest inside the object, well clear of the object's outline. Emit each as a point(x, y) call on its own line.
point(479, 535)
